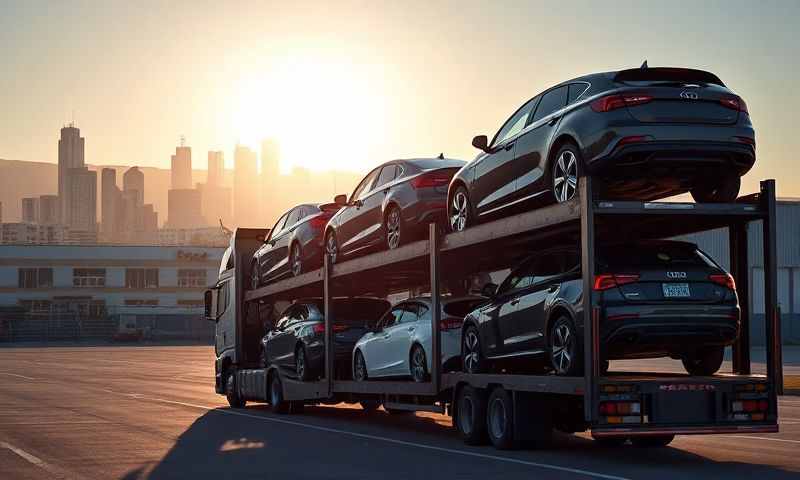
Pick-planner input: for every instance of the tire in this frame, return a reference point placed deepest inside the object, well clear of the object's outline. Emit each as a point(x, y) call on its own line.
point(255, 276)
point(359, 367)
point(610, 442)
point(655, 441)
point(331, 246)
point(301, 364)
point(369, 406)
point(296, 259)
point(704, 362)
point(459, 210)
point(276, 401)
point(564, 173)
point(232, 393)
point(725, 189)
point(393, 227)
point(418, 364)
point(500, 419)
point(565, 348)
point(472, 359)
point(470, 416)
point(395, 411)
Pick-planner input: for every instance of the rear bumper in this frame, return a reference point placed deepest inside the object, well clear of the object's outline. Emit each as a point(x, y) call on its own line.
point(703, 430)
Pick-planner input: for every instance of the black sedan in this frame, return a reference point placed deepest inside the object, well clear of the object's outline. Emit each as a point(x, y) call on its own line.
point(296, 344)
point(657, 298)
point(648, 133)
point(393, 204)
point(294, 245)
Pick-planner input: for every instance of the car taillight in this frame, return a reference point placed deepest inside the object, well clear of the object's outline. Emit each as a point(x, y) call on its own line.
point(604, 281)
point(724, 279)
point(613, 102)
point(432, 179)
point(319, 222)
point(320, 328)
point(734, 103)
point(451, 323)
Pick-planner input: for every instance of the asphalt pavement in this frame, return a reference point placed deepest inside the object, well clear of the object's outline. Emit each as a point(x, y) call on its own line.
point(151, 412)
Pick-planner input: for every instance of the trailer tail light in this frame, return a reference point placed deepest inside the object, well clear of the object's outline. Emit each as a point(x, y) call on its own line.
point(438, 178)
point(604, 281)
point(724, 279)
point(620, 408)
point(613, 102)
point(749, 403)
point(320, 328)
point(451, 323)
point(734, 103)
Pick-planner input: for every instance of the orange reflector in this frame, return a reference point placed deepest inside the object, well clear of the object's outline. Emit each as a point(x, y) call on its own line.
point(614, 419)
point(758, 417)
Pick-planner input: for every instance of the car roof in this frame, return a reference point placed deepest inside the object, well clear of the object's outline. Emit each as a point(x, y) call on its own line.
point(443, 299)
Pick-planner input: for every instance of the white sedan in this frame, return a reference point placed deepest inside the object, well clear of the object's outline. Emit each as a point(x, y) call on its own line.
point(400, 343)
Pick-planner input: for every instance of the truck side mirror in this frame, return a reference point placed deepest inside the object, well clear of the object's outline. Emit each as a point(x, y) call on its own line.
point(210, 298)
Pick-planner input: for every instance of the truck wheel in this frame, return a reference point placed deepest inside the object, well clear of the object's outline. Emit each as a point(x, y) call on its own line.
point(470, 415)
point(276, 401)
point(500, 419)
point(610, 441)
point(654, 441)
point(232, 393)
point(369, 406)
point(704, 361)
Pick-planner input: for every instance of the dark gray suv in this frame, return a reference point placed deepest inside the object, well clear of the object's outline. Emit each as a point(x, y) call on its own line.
point(648, 133)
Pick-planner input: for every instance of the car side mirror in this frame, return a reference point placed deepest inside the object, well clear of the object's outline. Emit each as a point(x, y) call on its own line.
point(481, 142)
point(489, 290)
point(340, 200)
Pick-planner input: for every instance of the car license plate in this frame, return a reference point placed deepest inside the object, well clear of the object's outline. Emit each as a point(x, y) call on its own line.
point(676, 290)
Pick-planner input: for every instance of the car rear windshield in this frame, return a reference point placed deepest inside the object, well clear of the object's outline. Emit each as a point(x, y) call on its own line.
point(356, 311)
point(634, 258)
point(427, 164)
point(460, 308)
point(683, 75)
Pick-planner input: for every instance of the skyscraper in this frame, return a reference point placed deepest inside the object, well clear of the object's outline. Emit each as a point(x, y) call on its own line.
point(49, 210)
point(109, 204)
point(270, 171)
point(82, 200)
point(246, 186)
point(30, 210)
point(216, 168)
point(181, 170)
point(70, 156)
point(133, 181)
point(184, 209)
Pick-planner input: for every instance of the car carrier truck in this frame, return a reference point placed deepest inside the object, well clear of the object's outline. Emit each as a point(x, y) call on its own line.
point(508, 410)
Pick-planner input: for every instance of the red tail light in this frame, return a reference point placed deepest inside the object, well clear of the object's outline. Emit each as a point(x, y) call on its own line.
point(437, 178)
point(734, 103)
point(604, 281)
point(613, 102)
point(451, 323)
point(319, 222)
point(320, 328)
point(723, 279)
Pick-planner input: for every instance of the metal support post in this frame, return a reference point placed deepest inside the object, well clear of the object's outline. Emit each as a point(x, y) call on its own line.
point(740, 269)
point(590, 313)
point(328, 300)
point(773, 322)
point(436, 333)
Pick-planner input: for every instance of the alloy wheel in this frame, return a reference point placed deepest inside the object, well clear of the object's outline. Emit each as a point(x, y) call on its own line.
point(331, 247)
point(360, 370)
point(459, 211)
point(565, 176)
point(300, 363)
point(471, 352)
point(563, 348)
point(393, 229)
point(418, 367)
point(297, 261)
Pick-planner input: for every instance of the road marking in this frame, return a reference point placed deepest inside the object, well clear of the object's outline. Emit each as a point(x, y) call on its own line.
point(17, 375)
point(34, 460)
point(785, 440)
point(587, 473)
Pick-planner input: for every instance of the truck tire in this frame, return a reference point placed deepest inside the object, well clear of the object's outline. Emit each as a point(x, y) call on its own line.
point(500, 419)
point(469, 417)
point(654, 441)
point(231, 392)
point(276, 401)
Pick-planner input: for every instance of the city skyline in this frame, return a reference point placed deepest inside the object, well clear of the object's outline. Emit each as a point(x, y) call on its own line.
point(387, 93)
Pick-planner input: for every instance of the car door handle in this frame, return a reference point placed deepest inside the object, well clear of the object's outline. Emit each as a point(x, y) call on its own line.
point(514, 302)
point(410, 329)
point(554, 120)
point(387, 336)
point(386, 190)
point(552, 288)
point(509, 146)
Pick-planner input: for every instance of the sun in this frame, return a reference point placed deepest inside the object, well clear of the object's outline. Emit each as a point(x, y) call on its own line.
point(327, 113)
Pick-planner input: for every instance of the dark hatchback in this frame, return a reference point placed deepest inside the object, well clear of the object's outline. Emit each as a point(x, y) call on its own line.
point(657, 298)
point(392, 205)
point(294, 245)
point(648, 133)
point(296, 344)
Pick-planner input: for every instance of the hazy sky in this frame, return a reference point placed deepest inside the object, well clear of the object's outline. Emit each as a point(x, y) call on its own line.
point(352, 84)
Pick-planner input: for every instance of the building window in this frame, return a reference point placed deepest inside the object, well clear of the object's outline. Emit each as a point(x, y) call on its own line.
point(89, 277)
point(191, 303)
point(139, 302)
point(141, 278)
point(35, 306)
point(191, 277)
point(35, 277)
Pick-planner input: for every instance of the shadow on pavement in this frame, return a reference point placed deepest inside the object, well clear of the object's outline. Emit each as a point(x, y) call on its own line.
point(220, 446)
